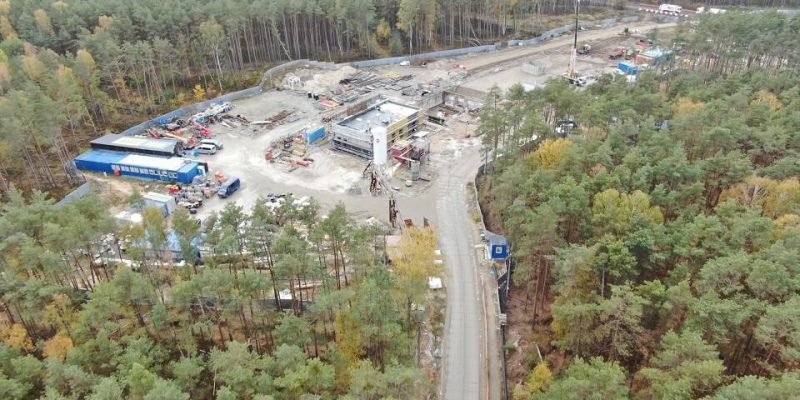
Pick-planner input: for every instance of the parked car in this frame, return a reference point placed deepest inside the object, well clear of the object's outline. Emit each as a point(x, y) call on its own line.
point(213, 142)
point(228, 188)
point(206, 149)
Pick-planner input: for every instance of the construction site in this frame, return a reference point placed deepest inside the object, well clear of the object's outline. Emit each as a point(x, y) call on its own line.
point(361, 133)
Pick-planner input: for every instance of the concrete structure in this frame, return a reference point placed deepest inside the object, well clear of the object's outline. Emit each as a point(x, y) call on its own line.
point(354, 134)
point(379, 146)
point(174, 169)
point(140, 145)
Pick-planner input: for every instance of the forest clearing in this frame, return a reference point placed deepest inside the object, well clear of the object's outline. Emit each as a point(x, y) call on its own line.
point(317, 231)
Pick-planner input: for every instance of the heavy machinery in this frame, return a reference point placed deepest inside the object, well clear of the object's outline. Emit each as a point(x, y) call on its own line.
point(617, 53)
point(571, 75)
point(584, 50)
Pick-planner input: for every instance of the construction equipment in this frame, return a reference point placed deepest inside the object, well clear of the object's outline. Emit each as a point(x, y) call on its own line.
point(617, 53)
point(572, 76)
point(584, 50)
point(625, 32)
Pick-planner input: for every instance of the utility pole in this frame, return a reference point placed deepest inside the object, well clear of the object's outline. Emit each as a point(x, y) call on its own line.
point(573, 55)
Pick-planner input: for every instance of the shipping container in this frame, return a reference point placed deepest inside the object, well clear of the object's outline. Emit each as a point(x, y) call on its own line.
point(312, 135)
point(628, 68)
point(139, 145)
point(174, 169)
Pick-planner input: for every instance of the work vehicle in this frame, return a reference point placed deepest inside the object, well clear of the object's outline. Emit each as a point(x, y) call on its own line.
point(584, 50)
point(670, 8)
point(617, 53)
point(213, 142)
point(228, 188)
point(206, 149)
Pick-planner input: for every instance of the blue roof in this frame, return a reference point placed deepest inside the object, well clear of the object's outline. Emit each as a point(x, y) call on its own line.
point(103, 156)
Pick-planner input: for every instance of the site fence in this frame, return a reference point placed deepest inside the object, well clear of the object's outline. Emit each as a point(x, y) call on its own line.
point(189, 110)
point(500, 295)
point(433, 54)
point(76, 194)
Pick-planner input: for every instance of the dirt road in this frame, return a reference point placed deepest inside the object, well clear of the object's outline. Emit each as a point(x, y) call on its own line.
point(483, 61)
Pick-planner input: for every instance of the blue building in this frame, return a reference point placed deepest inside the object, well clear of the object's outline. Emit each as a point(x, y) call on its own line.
point(173, 169)
point(498, 246)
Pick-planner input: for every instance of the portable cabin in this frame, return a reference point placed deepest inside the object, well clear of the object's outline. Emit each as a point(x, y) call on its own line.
point(498, 246)
point(174, 169)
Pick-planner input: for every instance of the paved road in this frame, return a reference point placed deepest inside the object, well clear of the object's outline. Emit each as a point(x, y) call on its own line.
point(465, 347)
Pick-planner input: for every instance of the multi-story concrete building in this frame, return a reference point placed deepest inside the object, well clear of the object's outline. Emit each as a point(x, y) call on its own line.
point(354, 133)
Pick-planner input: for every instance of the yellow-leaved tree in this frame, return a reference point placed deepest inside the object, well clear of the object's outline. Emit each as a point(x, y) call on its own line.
point(775, 198)
point(686, 106)
point(16, 337)
point(57, 347)
point(549, 153)
point(199, 93)
point(412, 267)
point(536, 382)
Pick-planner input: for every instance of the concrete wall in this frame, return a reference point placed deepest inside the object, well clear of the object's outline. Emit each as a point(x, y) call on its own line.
point(433, 54)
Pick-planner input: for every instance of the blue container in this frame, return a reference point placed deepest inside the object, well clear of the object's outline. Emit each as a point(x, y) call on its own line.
point(628, 68)
point(315, 134)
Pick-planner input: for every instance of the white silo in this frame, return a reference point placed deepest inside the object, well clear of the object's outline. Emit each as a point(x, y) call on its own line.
point(379, 145)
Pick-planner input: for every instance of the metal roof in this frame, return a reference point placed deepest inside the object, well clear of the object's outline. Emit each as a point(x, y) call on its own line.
point(102, 156)
point(173, 164)
point(143, 143)
point(160, 197)
point(169, 164)
point(495, 239)
point(655, 52)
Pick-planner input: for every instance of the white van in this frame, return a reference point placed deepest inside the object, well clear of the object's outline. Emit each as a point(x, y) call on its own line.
point(213, 142)
point(207, 149)
point(670, 8)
